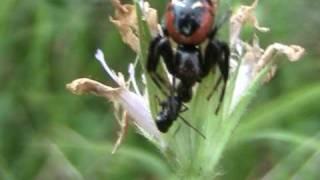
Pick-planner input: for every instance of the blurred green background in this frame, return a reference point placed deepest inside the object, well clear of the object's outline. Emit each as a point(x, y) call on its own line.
point(48, 133)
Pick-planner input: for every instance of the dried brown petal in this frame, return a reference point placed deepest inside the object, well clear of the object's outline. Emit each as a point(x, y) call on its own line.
point(125, 19)
point(85, 85)
point(215, 4)
point(245, 14)
point(132, 103)
point(124, 124)
point(270, 74)
point(251, 57)
point(293, 52)
point(151, 16)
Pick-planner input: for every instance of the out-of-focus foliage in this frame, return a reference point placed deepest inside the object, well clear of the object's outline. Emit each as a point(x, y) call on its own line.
point(47, 133)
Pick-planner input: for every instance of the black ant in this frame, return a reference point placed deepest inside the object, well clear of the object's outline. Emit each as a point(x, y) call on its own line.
point(189, 23)
point(170, 112)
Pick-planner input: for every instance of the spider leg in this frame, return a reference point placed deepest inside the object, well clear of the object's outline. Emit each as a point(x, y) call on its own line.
point(185, 108)
point(223, 64)
point(224, 61)
point(159, 82)
point(214, 88)
point(160, 47)
point(217, 54)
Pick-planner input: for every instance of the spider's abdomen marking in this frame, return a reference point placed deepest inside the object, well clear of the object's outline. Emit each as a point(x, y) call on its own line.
point(188, 21)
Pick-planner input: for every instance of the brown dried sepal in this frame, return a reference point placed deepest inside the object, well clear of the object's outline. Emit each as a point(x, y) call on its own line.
point(257, 57)
point(215, 4)
point(123, 121)
point(125, 19)
point(293, 53)
point(127, 104)
point(85, 86)
point(245, 14)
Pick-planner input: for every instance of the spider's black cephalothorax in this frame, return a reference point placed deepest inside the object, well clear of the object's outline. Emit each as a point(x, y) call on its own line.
point(189, 23)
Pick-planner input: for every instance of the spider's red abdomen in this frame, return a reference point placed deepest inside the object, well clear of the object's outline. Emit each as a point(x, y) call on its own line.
point(189, 21)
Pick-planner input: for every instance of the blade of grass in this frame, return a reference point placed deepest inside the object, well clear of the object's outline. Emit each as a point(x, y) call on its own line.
point(274, 111)
point(278, 135)
point(68, 139)
point(287, 167)
point(310, 170)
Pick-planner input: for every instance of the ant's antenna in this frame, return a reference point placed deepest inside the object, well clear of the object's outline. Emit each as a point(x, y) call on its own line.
point(192, 127)
point(172, 90)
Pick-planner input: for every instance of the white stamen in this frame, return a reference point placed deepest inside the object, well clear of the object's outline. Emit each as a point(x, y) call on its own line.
point(100, 57)
point(133, 79)
point(241, 85)
point(144, 79)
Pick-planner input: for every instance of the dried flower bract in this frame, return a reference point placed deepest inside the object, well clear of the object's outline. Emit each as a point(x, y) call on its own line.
point(125, 19)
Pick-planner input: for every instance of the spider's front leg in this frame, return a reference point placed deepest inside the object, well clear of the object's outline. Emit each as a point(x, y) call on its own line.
point(217, 54)
point(160, 47)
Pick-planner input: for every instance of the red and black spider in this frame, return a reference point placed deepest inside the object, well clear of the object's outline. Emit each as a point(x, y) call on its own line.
point(189, 23)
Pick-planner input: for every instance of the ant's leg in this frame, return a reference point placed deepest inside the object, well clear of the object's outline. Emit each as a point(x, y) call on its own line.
point(160, 46)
